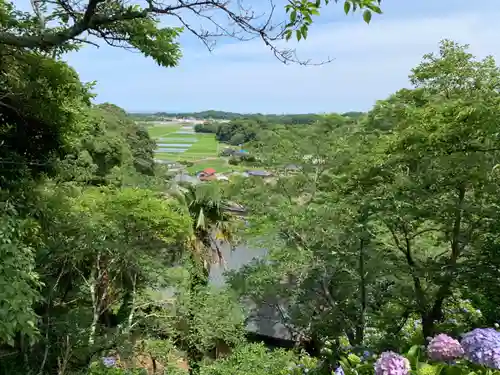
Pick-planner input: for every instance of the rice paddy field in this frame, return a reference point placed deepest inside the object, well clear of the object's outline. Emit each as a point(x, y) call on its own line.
point(179, 142)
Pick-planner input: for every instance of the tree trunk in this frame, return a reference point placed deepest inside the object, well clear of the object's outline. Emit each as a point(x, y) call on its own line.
point(435, 313)
point(360, 326)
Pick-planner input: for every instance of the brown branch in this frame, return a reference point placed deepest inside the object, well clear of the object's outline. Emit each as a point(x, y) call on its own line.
point(406, 250)
point(445, 288)
point(90, 20)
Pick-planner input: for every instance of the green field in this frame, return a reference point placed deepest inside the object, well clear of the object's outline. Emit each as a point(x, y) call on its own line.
point(204, 152)
point(157, 131)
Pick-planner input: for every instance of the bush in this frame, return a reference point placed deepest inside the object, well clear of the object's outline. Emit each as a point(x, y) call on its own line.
point(187, 163)
point(233, 160)
point(248, 158)
point(477, 353)
point(256, 359)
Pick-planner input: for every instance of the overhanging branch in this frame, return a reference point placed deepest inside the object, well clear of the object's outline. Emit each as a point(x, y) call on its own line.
point(98, 17)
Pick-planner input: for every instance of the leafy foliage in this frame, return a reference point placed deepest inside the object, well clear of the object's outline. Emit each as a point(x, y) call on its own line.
point(376, 233)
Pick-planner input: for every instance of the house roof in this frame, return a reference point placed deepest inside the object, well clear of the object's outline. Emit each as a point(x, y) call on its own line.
point(263, 320)
point(209, 171)
point(210, 177)
point(260, 173)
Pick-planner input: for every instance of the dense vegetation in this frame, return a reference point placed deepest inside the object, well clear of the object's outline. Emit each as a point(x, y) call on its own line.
point(308, 118)
point(388, 235)
point(252, 128)
point(385, 234)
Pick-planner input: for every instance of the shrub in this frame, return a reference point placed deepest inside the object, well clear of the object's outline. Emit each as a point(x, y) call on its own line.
point(256, 359)
point(233, 161)
point(477, 353)
point(187, 163)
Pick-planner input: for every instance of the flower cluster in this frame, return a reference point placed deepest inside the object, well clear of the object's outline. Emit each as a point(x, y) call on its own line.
point(444, 348)
point(109, 361)
point(391, 363)
point(482, 346)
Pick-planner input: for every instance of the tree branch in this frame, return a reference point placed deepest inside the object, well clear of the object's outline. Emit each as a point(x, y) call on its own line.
point(99, 21)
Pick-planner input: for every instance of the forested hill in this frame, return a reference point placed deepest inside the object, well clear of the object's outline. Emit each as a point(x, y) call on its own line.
point(305, 118)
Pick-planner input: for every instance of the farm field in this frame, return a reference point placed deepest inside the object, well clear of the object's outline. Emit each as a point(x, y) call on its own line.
point(179, 142)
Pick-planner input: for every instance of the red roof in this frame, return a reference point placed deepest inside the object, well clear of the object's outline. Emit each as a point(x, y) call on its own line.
point(209, 170)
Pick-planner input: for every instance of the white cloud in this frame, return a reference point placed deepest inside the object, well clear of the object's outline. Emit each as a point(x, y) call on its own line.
point(370, 63)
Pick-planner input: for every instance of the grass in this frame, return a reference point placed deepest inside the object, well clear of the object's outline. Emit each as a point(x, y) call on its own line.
point(158, 131)
point(206, 147)
point(220, 165)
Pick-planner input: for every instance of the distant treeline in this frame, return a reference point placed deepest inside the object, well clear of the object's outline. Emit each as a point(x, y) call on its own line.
point(247, 129)
point(286, 119)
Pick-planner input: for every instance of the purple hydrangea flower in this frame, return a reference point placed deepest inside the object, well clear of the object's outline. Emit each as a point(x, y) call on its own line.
point(482, 346)
point(444, 348)
point(339, 371)
point(109, 361)
point(391, 363)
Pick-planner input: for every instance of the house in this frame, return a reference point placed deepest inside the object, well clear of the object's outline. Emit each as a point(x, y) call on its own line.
point(208, 174)
point(212, 177)
point(292, 168)
point(262, 174)
point(228, 152)
point(186, 178)
point(264, 323)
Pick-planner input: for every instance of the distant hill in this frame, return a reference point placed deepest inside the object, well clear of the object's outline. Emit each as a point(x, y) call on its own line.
point(305, 118)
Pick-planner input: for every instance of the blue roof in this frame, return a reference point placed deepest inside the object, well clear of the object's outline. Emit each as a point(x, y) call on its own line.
point(259, 173)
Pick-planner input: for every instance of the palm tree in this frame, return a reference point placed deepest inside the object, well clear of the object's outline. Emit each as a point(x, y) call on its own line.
point(213, 226)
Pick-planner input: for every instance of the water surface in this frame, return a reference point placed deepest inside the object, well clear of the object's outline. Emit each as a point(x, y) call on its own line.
point(175, 150)
point(175, 145)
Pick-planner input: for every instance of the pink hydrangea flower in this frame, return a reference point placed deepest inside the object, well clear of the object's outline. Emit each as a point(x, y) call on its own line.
point(391, 363)
point(444, 348)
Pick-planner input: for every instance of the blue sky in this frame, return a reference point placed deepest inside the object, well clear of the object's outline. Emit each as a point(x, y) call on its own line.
point(370, 62)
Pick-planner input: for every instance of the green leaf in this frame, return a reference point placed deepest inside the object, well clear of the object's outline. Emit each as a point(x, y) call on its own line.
point(299, 35)
point(304, 31)
point(354, 359)
point(293, 16)
point(367, 16)
point(413, 355)
point(347, 7)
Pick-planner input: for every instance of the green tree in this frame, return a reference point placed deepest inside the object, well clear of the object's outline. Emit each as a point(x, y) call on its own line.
point(95, 250)
point(389, 216)
point(436, 170)
point(64, 26)
point(213, 227)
